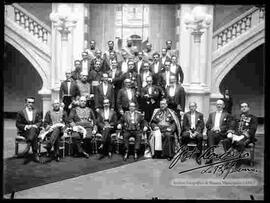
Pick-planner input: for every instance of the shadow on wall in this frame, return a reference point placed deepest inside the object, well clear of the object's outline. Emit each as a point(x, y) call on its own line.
point(20, 80)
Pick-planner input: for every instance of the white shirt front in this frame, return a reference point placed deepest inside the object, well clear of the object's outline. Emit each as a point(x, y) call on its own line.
point(29, 114)
point(113, 73)
point(105, 88)
point(172, 91)
point(167, 77)
point(145, 74)
point(124, 67)
point(156, 67)
point(163, 59)
point(129, 94)
point(150, 90)
point(217, 120)
point(85, 66)
point(192, 118)
point(106, 114)
point(139, 66)
point(173, 68)
point(68, 87)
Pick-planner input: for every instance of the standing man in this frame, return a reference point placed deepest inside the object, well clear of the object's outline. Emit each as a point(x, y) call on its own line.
point(85, 62)
point(176, 96)
point(78, 69)
point(144, 74)
point(104, 91)
point(164, 56)
point(164, 76)
point(133, 76)
point(170, 51)
point(148, 53)
point(165, 121)
point(176, 70)
point(140, 62)
point(193, 125)
point(156, 68)
point(103, 64)
point(125, 96)
point(132, 122)
point(28, 123)
point(85, 89)
point(242, 130)
point(150, 97)
point(69, 92)
point(53, 118)
point(124, 63)
point(106, 122)
point(217, 126)
point(92, 50)
point(95, 76)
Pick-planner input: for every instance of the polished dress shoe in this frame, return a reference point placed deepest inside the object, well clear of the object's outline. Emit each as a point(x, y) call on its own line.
point(85, 155)
point(209, 161)
point(125, 157)
point(199, 161)
point(135, 156)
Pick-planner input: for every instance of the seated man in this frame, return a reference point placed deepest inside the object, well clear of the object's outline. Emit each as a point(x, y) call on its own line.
point(242, 130)
point(82, 116)
point(217, 126)
point(193, 125)
point(54, 123)
point(28, 123)
point(106, 122)
point(166, 122)
point(132, 123)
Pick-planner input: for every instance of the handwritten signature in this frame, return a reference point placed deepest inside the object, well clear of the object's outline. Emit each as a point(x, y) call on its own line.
point(226, 162)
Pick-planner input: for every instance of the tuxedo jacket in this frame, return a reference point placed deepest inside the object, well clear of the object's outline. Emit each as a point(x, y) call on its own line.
point(179, 97)
point(178, 73)
point(199, 122)
point(104, 66)
point(156, 92)
point(140, 79)
point(141, 66)
point(74, 90)
point(88, 65)
point(160, 67)
point(167, 58)
point(224, 121)
point(99, 96)
point(22, 120)
point(101, 119)
point(122, 98)
point(120, 64)
point(134, 77)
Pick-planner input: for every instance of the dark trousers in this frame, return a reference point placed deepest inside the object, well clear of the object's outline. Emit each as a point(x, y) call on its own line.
point(240, 146)
point(67, 101)
point(132, 133)
point(168, 144)
point(77, 140)
point(31, 136)
point(198, 139)
point(55, 138)
point(148, 109)
point(214, 138)
point(106, 140)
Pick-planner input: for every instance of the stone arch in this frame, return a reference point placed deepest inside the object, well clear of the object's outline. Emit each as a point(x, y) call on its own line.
point(32, 59)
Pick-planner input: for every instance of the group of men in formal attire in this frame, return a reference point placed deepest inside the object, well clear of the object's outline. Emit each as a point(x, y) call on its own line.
point(135, 93)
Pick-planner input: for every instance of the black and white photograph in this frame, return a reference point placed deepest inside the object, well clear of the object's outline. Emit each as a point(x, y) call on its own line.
point(134, 101)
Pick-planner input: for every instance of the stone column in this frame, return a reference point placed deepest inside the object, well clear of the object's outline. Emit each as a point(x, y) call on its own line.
point(195, 60)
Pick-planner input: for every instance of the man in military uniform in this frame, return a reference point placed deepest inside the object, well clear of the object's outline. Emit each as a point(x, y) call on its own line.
point(28, 123)
point(124, 63)
point(166, 122)
point(150, 97)
point(92, 50)
point(242, 130)
point(82, 118)
point(170, 51)
point(128, 49)
point(132, 123)
point(54, 124)
point(148, 53)
point(193, 125)
point(86, 89)
point(106, 122)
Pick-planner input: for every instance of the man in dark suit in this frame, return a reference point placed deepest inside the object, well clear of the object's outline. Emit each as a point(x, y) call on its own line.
point(176, 96)
point(156, 68)
point(69, 92)
point(148, 53)
point(176, 70)
point(124, 62)
point(164, 56)
point(242, 130)
point(140, 62)
point(104, 66)
point(217, 125)
point(132, 123)
point(150, 97)
point(133, 76)
point(125, 96)
point(163, 78)
point(92, 50)
point(170, 51)
point(104, 91)
point(28, 123)
point(85, 62)
point(106, 122)
point(144, 74)
point(95, 76)
point(107, 54)
point(78, 69)
point(193, 125)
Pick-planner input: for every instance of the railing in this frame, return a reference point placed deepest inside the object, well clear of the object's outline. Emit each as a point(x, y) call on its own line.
point(29, 22)
point(238, 26)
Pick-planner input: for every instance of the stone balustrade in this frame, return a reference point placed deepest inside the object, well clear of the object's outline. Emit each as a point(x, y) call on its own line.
point(237, 27)
point(29, 22)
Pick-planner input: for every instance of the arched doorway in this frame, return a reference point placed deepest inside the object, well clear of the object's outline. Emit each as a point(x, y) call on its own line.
point(246, 82)
point(20, 80)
